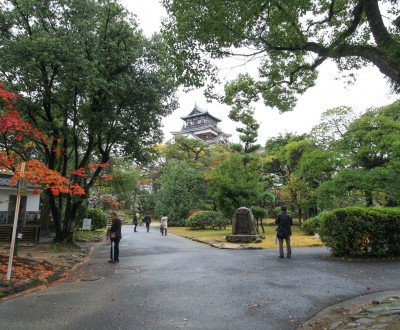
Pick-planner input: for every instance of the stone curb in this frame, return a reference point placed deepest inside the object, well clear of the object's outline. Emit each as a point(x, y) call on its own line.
point(35, 282)
point(31, 283)
point(357, 303)
point(220, 245)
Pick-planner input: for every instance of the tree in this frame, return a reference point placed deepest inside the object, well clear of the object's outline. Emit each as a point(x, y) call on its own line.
point(183, 148)
point(182, 188)
point(234, 184)
point(90, 81)
point(125, 184)
point(299, 166)
point(292, 39)
point(298, 194)
point(369, 149)
point(248, 134)
point(334, 124)
point(16, 137)
point(283, 154)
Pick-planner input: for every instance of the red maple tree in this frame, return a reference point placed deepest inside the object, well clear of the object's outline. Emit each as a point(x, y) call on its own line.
point(18, 135)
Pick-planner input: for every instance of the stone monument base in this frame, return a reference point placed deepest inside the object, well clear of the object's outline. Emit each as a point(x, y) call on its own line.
point(243, 238)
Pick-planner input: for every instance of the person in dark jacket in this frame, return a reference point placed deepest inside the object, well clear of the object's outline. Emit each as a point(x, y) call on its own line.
point(284, 224)
point(115, 236)
point(147, 220)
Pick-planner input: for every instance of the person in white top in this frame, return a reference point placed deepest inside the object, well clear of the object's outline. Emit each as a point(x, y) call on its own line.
point(164, 225)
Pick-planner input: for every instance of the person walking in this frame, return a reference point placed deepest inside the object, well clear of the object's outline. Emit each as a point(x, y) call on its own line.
point(135, 221)
point(284, 224)
point(115, 236)
point(164, 225)
point(147, 220)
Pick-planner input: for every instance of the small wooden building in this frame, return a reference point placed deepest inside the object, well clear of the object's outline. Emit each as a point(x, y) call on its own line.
point(29, 207)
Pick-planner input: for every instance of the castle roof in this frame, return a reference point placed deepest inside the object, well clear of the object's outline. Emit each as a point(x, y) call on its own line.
point(197, 111)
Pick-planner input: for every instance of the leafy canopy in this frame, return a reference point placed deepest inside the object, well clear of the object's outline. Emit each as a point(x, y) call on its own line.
point(290, 38)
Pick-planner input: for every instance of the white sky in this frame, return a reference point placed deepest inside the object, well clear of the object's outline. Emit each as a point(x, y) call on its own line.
point(370, 90)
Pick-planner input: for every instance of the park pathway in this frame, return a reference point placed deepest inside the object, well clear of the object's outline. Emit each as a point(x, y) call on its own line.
point(173, 283)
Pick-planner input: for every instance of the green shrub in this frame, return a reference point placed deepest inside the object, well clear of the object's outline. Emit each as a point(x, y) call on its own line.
point(99, 218)
point(311, 226)
point(362, 232)
point(177, 223)
point(206, 219)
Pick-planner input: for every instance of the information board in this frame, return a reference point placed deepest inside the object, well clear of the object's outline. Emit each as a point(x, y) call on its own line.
point(87, 224)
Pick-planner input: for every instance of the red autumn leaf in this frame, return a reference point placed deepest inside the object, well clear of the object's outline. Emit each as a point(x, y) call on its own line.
point(80, 172)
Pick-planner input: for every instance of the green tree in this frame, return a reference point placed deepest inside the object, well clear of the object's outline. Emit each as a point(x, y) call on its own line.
point(234, 184)
point(283, 153)
point(332, 127)
point(370, 152)
point(298, 194)
point(292, 38)
point(90, 80)
point(183, 148)
point(125, 184)
point(182, 188)
point(299, 166)
point(248, 134)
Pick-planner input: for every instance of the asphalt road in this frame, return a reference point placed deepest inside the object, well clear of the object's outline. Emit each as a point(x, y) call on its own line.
point(167, 282)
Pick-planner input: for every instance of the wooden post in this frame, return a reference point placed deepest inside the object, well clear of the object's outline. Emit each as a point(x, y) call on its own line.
point(14, 232)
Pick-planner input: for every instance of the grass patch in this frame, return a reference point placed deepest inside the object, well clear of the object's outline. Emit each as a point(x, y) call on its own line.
point(89, 235)
point(298, 239)
point(58, 247)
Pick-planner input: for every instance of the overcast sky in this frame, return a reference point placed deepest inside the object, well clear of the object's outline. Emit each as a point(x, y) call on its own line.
point(370, 90)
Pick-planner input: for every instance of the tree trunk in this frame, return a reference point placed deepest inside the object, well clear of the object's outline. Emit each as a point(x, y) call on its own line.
point(45, 218)
point(300, 214)
point(71, 211)
point(56, 216)
point(369, 199)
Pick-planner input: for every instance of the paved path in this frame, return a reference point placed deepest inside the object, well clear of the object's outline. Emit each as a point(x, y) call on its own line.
point(170, 282)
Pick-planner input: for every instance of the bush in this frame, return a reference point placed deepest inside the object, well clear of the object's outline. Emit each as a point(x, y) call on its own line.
point(207, 219)
point(99, 218)
point(362, 232)
point(312, 225)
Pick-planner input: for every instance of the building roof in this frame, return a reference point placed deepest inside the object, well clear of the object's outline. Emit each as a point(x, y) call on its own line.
point(197, 111)
point(5, 180)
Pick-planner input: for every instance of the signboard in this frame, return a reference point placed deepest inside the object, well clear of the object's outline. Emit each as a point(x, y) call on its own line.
point(87, 224)
point(22, 186)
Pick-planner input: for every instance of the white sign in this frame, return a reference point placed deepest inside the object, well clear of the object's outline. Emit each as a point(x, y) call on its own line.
point(87, 224)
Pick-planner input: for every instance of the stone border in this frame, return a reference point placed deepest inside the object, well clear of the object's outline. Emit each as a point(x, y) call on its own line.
point(57, 274)
point(227, 245)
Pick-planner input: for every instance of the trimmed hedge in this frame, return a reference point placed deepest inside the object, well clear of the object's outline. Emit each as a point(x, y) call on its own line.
point(362, 232)
point(99, 218)
point(311, 226)
point(207, 219)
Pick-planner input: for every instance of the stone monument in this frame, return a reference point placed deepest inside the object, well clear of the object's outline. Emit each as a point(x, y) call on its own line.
point(243, 227)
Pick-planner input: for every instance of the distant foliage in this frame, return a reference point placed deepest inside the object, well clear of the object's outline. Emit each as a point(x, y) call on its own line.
point(182, 189)
point(362, 232)
point(207, 219)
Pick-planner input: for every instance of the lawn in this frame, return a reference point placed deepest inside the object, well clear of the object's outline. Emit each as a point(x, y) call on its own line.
point(298, 239)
